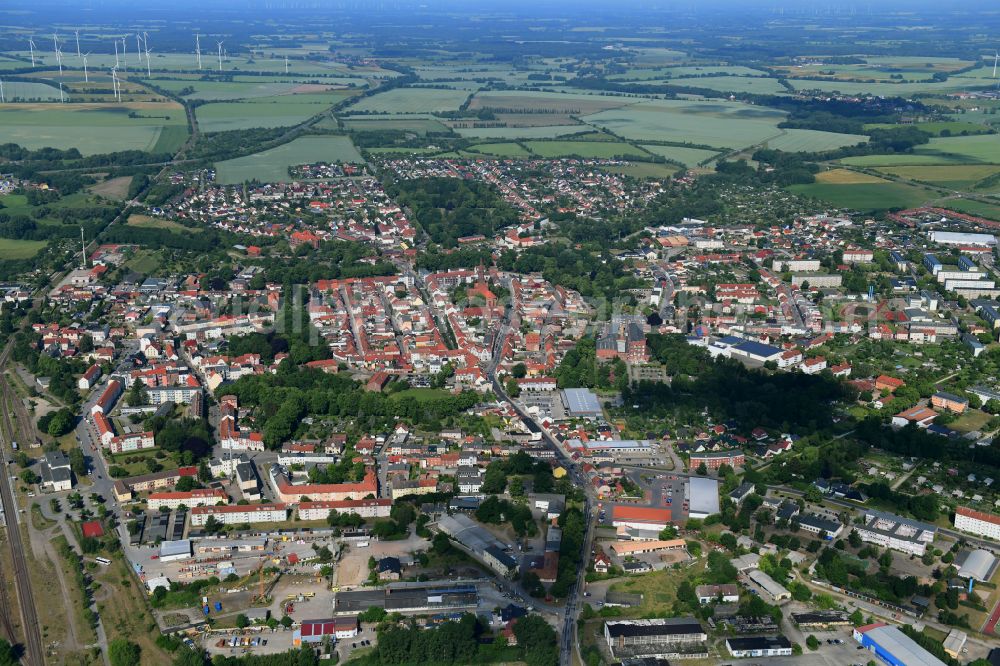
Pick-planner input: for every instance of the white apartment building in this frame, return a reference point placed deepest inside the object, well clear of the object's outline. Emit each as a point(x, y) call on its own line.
point(891, 531)
point(236, 514)
point(977, 522)
point(189, 498)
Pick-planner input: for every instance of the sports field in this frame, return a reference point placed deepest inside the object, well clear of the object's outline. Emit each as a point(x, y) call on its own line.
point(412, 100)
point(271, 166)
point(90, 128)
point(718, 124)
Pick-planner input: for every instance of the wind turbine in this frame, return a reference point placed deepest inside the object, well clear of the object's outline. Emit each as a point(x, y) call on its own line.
point(286, 64)
point(62, 97)
point(31, 49)
point(114, 83)
point(86, 76)
point(3, 100)
point(149, 75)
point(77, 33)
point(55, 47)
point(138, 46)
point(220, 56)
point(996, 57)
point(116, 55)
point(124, 58)
point(197, 47)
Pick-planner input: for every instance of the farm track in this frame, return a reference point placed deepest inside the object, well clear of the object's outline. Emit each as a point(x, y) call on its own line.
point(33, 655)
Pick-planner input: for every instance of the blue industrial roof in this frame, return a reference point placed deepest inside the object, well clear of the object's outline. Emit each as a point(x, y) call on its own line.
point(581, 401)
point(758, 349)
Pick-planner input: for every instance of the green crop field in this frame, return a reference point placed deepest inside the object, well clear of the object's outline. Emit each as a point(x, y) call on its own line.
point(23, 91)
point(955, 176)
point(688, 73)
point(983, 149)
point(973, 207)
point(504, 149)
point(418, 124)
point(719, 124)
point(808, 141)
point(867, 196)
point(587, 149)
point(885, 88)
point(220, 91)
point(687, 156)
point(19, 249)
point(412, 100)
point(278, 111)
point(539, 132)
point(271, 166)
point(90, 128)
point(548, 102)
point(735, 84)
point(954, 128)
point(899, 160)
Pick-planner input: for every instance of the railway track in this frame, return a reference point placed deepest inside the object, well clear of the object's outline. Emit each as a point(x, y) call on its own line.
point(33, 653)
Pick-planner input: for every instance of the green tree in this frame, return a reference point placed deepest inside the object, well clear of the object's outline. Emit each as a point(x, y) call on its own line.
point(61, 423)
point(702, 470)
point(137, 395)
point(122, 652)
point(812, 642)
point(242, 621)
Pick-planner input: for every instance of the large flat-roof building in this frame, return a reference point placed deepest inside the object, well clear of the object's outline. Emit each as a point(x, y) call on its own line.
point(703, 497)
point(891, 531)
point(894, 647)
point(759, 646)
point(581, 403)
point(664, 638)
point(956, 238)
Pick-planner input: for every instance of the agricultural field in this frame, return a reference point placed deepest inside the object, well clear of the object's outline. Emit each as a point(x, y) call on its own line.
point(539, 132)
point(502, 149)
point(867, 196)
point(732, 84)
point(907, 159)
point(685, 72)
point(950, 128)
point(973, 207)
point(956, 176)
point(278, 111)
point(689, 157)
point(412, 100)
point(271, 166)
point(92, 128)
point(884, 88)
point(809, 141)
point(417, 124)
point(846, 177)
point(981, 149)
point(585, 149)
point(113, 188)
point(718, 124)
point(221, 91)
point(19, 249)
point(23, 91)
point(577, 104)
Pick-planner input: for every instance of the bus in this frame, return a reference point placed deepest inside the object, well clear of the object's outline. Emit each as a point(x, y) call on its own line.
point(103, 560)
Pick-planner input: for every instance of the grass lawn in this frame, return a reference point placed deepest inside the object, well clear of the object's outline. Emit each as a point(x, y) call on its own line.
point(954, 127)
point(659, 588)
point(422, 394)
point(144, 262)
point(867, 196)
point(19, 249)
point(972, 419)
point(846, 177)
point(277, 111)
